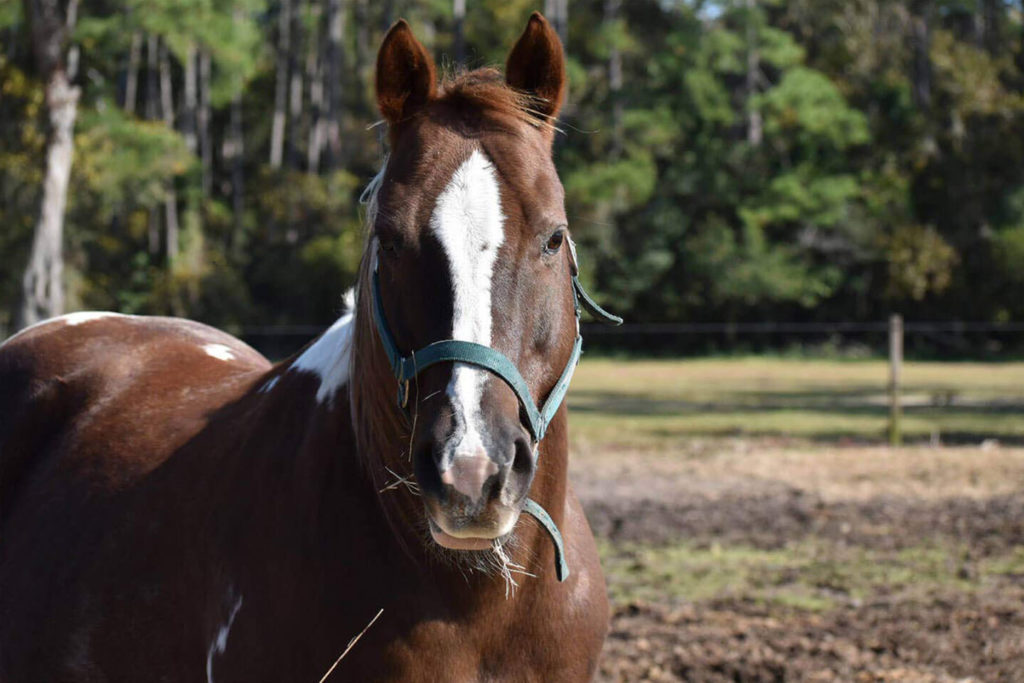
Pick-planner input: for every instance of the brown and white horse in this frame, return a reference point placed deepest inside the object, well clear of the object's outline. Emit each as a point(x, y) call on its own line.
point(175, 508)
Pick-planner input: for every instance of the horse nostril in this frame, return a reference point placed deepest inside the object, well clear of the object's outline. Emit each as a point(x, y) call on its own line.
point(428, 475)
point(522, 461)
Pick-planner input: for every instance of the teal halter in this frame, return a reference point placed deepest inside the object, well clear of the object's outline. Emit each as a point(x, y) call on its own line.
point(406, 368)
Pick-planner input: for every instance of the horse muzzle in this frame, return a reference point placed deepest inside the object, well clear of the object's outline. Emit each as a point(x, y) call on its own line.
point(473, 494)
point(474, 536)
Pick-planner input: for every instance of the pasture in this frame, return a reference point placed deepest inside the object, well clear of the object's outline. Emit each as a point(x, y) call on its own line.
point(754, 526)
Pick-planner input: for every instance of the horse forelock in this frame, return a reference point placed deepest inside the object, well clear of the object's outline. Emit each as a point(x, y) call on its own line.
point(484, 92)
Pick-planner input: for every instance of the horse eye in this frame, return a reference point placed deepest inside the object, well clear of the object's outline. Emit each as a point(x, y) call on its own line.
point(388, 246)
point(554, 242)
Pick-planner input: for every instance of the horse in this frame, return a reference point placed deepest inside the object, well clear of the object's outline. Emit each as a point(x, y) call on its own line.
point(174, 507)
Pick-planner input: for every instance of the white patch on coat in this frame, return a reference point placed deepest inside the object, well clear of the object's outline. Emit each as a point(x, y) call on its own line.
point(328, 358)
point(468, 222)
point(70, 319)
point(80, 317)
point(219, 351)
point(349, 300)
point(220, 642)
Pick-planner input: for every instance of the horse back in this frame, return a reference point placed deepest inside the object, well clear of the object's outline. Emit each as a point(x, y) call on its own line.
point(73, 383)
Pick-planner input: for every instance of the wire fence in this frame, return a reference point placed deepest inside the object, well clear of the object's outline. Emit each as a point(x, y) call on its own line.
point(955, 338)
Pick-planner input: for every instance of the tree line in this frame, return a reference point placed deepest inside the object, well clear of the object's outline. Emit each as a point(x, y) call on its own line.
point(740, 160)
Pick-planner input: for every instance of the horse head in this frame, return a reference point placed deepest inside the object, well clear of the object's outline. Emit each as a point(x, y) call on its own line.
point(472, 271)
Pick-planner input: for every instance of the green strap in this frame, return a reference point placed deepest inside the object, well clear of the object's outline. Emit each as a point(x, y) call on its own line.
point(405, 368)
point(457, 351)
point(591, 305)
point(540, 514)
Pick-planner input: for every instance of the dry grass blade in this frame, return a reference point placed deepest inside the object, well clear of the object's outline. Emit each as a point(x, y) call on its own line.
point(351, 643)
point(405, 481)
point(505, 569)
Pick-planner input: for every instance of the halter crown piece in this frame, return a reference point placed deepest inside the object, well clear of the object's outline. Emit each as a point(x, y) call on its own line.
point(406, 368)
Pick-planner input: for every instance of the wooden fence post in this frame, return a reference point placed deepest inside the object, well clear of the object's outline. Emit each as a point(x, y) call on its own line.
point(895, 378)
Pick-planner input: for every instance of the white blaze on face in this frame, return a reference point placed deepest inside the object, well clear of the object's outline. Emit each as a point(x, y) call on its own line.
point(468, 222)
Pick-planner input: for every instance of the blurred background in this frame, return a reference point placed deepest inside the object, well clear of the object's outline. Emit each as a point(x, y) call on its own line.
point(758, 186)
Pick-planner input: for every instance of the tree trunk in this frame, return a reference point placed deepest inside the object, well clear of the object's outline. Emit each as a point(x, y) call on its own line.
point(295, 86)
point(335, 68)
point(363, 56)
point(131, 80)
point(42, 284)
point(171, 200)
point(921, 77)
point(237, 156)
point(459, 12)
point(203, 121)
point(387, 13)
point(151, 110)
point(612, 9)
point(277, 130)
point(191, 99)
point(557, 12)
point(755, 125)
point(315, 77)
point(153, 231)
point(991, 15)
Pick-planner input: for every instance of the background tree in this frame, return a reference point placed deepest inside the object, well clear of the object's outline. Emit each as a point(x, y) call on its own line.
point(42, 286)
point(739, 160)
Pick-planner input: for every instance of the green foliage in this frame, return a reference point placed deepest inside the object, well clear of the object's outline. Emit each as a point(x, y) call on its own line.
point(123, 163)
point(920, 262)
point(806, 110)
point(749, 271)
point(306, 247)
point(761, 160)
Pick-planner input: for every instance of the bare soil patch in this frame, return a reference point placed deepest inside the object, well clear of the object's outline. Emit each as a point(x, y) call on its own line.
point(965, 620)
point(950, 638)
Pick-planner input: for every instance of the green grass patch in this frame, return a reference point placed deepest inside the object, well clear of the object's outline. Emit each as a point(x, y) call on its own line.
point(650, 402)
point(810, 575)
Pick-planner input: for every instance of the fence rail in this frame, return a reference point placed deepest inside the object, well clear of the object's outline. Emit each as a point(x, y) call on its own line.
point(796, 328)
point(962, 338)
point(628, 328)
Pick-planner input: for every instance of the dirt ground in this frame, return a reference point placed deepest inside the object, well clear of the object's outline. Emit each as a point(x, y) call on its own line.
point(760, 561)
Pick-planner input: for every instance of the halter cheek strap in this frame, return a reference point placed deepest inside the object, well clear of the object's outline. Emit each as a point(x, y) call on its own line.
point(406, 368)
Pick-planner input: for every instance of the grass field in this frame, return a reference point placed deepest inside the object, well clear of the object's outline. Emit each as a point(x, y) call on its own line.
point(643, 403)
point(753, 524)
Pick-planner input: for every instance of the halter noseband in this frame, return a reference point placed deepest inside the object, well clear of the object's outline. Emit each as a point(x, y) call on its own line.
point(406, 368)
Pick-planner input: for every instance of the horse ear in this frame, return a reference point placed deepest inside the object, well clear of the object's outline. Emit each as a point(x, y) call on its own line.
point(406, 76)
point(536, 66)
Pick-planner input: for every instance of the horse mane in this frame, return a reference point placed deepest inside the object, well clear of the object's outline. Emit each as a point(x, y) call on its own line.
point(376, 418)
